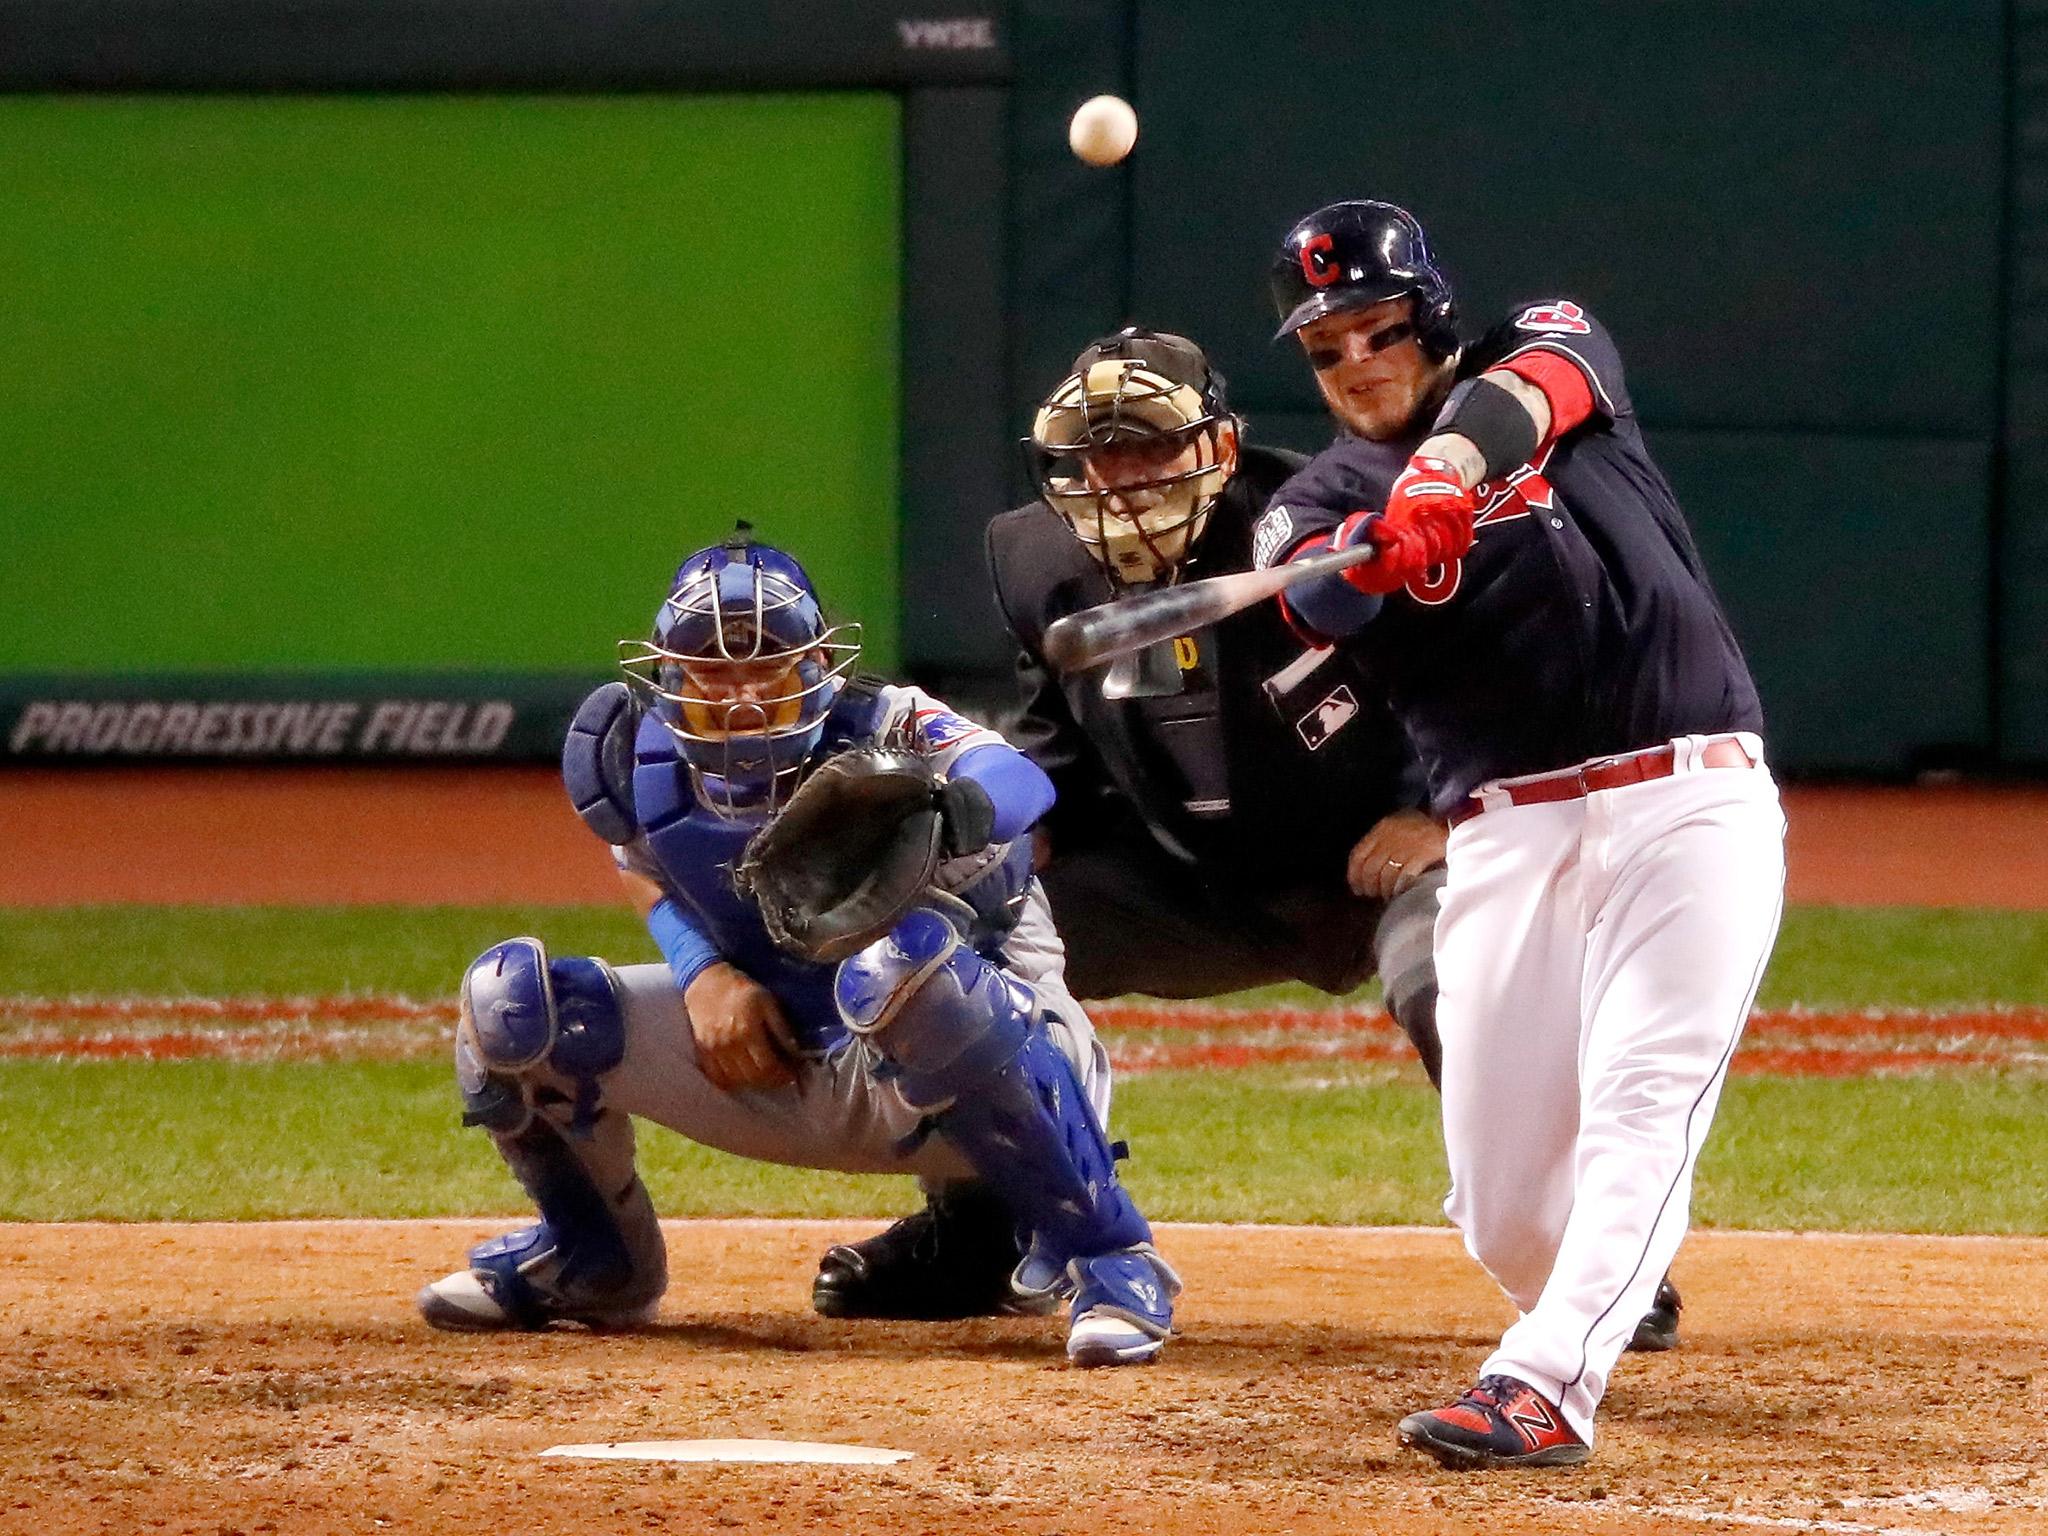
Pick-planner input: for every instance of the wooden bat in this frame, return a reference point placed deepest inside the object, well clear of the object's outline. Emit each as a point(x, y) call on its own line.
point(1109, 630)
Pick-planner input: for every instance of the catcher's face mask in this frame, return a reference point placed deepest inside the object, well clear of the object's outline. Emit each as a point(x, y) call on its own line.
point(743, 669)
point(1133, 460)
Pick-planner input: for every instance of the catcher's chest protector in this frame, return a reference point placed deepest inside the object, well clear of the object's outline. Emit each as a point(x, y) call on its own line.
point(698, 850)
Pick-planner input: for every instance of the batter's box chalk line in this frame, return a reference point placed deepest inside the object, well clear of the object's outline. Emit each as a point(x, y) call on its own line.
point(1963, 1500)
point(758, 1452)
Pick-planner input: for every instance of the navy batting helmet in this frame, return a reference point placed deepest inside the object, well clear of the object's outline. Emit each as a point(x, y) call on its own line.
point(1354, 255)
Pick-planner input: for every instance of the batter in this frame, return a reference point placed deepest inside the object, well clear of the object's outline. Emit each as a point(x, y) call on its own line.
point(1544, 630)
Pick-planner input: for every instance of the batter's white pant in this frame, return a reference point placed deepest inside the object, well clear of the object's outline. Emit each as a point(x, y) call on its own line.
point(1597, 958)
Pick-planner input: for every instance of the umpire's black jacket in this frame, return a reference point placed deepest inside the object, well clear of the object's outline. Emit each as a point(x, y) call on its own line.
point(1251, 791)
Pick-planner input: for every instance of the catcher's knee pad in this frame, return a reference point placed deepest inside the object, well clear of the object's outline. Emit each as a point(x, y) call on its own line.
point(941, 1015)
point(534, 1031)
point(966, 1046)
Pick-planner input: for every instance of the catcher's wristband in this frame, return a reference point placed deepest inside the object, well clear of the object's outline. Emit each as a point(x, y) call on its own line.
point(689, 954)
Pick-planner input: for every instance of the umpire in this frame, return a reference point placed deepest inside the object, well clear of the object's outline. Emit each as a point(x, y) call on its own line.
point(1232, 810)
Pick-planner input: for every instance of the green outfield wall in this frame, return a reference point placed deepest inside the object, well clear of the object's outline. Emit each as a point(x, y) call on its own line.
point(389, 384)
point(397, 398)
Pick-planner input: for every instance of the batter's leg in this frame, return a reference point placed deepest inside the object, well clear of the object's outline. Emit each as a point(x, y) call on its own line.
point(1688, 881)
point(1509, 947)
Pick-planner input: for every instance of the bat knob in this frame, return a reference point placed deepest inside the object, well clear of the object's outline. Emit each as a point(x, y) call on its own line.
point(1066, 644)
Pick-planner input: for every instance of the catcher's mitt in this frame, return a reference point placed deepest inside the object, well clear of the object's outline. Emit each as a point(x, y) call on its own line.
point(855, 848)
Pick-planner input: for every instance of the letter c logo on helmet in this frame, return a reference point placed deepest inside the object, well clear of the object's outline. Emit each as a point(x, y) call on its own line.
point(1356, 254)
point(1316, 265)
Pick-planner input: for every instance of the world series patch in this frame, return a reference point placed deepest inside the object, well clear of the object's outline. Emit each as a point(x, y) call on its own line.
point(1269, 535)
point(1564, 318)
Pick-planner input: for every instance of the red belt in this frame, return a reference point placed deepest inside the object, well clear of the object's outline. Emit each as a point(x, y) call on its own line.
point(1606, 773)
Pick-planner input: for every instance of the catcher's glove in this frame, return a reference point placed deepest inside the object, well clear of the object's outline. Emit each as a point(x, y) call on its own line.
point(857, 847)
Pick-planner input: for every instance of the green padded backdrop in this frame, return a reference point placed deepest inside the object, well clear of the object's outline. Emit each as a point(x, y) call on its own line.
point(416, 383)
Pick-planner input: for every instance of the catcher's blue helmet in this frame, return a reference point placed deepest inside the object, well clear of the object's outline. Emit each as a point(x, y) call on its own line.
point(743, 668)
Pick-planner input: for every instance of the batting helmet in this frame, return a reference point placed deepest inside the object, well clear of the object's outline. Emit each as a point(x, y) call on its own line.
point(1354, 255)
point(742, 669)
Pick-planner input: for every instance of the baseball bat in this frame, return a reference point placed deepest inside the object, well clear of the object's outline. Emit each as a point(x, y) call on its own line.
point(1109, 630)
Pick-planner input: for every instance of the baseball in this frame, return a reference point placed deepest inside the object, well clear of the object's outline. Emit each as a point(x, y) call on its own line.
point(1103, 130)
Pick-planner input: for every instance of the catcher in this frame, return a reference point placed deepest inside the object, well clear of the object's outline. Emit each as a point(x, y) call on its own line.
point(861, 975)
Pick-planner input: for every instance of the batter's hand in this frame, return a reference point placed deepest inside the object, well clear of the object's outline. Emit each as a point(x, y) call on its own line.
point(1430, 498)
point(1391, 570)
point(743, 1040)
point(1428, 521)
point(1396, 853)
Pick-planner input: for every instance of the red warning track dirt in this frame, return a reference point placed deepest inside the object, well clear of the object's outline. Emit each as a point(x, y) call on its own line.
point(315, 836)
point(272, 1377)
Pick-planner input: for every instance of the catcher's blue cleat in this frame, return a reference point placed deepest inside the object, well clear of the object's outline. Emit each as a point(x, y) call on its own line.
point(521, 1281)
point(1123, 1307)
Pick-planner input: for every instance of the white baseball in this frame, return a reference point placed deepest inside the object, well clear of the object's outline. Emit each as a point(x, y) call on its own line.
point(1103, 130)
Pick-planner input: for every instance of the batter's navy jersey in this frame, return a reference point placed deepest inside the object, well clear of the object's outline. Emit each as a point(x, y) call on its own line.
point(1580, 624)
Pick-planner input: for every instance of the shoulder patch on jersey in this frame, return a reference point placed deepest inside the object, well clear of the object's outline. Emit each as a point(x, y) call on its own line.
point(1562, 318)
point(937, 729)
point(1269, 535)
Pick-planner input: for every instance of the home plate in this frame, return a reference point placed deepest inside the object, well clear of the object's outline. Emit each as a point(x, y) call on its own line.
point(732, 1451)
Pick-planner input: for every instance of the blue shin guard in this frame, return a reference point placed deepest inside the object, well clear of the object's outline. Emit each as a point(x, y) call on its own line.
point(534, 1039)
point(964, 1043)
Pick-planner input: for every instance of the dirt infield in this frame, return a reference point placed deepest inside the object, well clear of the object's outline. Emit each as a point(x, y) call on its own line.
point(315, 836)
point(272, 1377)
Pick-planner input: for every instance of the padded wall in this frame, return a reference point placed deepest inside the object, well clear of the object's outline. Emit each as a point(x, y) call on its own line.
point(1789, 218)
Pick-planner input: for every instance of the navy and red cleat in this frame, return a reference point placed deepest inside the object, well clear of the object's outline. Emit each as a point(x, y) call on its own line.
point(1501, 1422)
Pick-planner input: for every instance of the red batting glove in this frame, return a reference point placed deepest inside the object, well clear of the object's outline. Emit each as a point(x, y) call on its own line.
point(1428, 498)
point(1393, 567)
point(1428, 522)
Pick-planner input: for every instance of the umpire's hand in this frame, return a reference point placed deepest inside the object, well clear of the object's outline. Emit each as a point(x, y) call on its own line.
point(1397, 852)
point(743, 1040)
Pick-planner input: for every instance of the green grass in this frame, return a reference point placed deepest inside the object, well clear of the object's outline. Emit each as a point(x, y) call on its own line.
point(1827, 957)
point(211, 1140)
point(1943, 1152)
point(280, 951)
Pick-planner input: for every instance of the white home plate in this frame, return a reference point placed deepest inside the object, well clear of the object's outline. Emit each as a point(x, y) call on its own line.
point(732, 1451)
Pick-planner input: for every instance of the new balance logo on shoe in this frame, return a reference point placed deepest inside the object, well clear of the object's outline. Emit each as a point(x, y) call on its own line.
point(1532, 1419)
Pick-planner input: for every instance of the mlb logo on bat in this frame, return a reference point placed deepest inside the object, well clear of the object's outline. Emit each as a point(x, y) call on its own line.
point(1327, 718)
